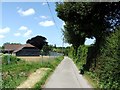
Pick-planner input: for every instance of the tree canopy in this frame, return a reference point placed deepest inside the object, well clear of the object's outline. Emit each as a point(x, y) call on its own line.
point(88, 19)
point(38, 41)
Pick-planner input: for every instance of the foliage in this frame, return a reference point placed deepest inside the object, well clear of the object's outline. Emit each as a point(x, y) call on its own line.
point(15, 73)
point(58, 49)
point(63, 50)
point(38, 41)
point(105, 71)
point(10, 43)
point(39, 84)
point(66, 51)
point(71, 52)
point(13, 59)
point(87, 19)
point(81, 56)
point(1, 47)
point(71, 31)
point(108, 62)
point(46, 49)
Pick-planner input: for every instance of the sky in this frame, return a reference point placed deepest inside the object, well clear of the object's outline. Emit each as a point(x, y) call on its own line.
point(23, 20)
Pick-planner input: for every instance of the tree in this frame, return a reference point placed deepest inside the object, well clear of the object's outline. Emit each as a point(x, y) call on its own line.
point(73, 36)
point(46, 49)
point(38, 41)
point(87, 19)
point(72, 14)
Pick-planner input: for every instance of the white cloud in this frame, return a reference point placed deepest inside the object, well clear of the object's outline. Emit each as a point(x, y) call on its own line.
point(46, 23)
point(28, 33)
point(17, 34)
point(4, 30)
point(43, 17)
point(2, 36)
point(44, 3)
point(23, 28)
point(28, 12)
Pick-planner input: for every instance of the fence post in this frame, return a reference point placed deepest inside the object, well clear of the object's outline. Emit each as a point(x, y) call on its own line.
point(8, 57)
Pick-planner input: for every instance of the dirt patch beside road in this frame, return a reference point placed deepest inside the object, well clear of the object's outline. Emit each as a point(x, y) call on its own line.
point(33, 78)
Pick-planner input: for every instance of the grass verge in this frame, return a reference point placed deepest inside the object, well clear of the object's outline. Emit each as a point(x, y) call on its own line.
point(14, 73)
point(92, 81)
point(87, 75)
point(40, 84)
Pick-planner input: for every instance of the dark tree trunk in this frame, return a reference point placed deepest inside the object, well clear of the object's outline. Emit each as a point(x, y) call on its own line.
point(75, 48)
point(93, 52)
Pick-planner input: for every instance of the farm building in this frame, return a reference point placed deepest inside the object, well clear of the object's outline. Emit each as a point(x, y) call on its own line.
point(27, 50)
point(21, 50)
point(9, 48)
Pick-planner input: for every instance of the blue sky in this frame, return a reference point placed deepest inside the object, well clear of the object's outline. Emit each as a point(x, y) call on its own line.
point(24, 20)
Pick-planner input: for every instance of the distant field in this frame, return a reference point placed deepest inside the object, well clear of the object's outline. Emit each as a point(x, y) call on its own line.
point(36, 58)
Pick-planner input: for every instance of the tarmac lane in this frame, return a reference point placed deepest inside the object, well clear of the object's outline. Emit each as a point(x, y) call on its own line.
point(67, 75)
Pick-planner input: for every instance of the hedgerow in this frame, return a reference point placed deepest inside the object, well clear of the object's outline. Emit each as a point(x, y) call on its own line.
point(104, 68)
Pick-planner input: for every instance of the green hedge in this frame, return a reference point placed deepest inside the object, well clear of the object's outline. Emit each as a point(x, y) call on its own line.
point(107, 70)
point(81, 56)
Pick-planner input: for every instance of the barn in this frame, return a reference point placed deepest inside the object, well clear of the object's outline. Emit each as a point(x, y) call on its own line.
point(9, 48)
point(27, 50)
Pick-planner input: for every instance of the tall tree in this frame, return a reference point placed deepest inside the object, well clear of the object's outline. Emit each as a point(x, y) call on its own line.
point(88, 19)
point(73, 36)
point(38, 41)
point(46, 49)
point(92, 19)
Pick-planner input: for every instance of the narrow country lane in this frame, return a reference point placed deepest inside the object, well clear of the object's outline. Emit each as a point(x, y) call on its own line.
point(67, 75)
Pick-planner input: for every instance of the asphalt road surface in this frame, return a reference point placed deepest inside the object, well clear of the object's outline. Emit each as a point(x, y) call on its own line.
point(67, 75)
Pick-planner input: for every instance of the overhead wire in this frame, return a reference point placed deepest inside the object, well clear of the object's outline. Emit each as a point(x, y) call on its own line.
point(52, 15)
point(54, 21)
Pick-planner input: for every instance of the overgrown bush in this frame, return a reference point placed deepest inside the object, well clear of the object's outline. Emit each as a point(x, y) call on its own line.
point(71, 53)
point(81, 56)
point(105, 66)
point(108, 62)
